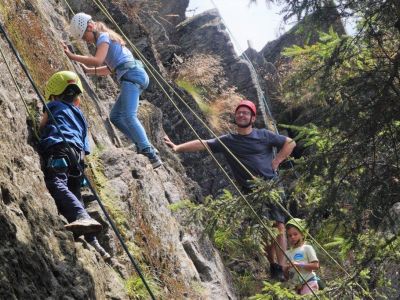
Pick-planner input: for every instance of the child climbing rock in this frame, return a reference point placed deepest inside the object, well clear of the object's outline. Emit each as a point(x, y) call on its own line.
point(63, 176)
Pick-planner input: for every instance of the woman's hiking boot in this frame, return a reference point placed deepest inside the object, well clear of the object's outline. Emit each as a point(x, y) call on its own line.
point(153, 157)
point(155, 162)
point(82, 226)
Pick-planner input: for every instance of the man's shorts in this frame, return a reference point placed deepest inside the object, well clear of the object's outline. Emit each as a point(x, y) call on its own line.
point(268, 211)
point(273, 212)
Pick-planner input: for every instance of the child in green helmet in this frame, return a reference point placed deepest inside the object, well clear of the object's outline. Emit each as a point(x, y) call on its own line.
point(303, 258)
point(63, 145)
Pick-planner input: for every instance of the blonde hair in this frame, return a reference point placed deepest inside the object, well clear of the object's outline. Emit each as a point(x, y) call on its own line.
point(101, 27)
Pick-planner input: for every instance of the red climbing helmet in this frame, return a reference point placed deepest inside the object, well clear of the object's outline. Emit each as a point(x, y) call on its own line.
point(248, 104)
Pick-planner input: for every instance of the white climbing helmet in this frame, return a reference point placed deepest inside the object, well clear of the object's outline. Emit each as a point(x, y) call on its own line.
point(79, 24)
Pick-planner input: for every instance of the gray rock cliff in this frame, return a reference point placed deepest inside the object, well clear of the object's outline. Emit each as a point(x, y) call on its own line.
point(39, 259)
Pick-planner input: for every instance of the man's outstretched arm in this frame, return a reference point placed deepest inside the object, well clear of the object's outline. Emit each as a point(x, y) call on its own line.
point(191, 146)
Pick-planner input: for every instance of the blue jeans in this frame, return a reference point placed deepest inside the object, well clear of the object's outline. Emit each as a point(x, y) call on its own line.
point(124, 112)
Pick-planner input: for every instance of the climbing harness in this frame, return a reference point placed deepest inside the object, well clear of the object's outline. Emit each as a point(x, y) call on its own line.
point(114, 227)
point(57, 164)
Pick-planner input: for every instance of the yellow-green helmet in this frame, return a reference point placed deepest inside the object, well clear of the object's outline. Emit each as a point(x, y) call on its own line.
point(300, 224)
point(59, 81)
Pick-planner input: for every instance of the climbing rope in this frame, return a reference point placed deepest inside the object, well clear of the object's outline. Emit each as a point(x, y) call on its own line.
point(154, 73)
point(114, 227)
point(265, 101)
point(69, 7)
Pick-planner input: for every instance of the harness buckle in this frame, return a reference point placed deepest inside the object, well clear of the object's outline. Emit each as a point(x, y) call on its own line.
point(57, 164)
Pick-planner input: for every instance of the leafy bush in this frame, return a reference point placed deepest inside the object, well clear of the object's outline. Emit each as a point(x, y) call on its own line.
point(136, 289)
point(236, 231)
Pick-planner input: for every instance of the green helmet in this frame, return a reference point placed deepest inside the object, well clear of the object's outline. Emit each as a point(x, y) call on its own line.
point(59, 81)
point(300, 224)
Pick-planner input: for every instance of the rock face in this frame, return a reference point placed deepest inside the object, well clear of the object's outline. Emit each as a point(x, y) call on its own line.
point(192, 38)
point(181, 260)
point(39, 259)
point(195, 36)
point(178, 262)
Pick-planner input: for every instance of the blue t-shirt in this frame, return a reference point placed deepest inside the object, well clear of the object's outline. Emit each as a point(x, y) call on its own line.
point(254, 151)
point(116, 55)
point(72, 124)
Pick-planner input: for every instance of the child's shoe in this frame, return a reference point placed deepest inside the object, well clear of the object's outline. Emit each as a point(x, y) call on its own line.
point(82, 226)
point(104, 254)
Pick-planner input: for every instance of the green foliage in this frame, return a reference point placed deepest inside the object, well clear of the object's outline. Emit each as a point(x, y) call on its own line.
point(225, 239)
point(349, 88)
point(275, 291)
point(196, 93)
point(313, 136)
point(245, 283)
point(319, 51)
point(189, 87)
point(237, 231)
point(337, 242)
point(136, 289)
point(342, 157)
point(174, 207)
point(34, 119)
point(135, 250)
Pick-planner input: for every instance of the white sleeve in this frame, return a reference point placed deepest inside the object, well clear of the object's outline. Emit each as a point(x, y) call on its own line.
point(310, 253)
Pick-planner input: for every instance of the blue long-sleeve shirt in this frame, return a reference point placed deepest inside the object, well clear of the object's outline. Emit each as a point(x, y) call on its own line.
point(72, 124)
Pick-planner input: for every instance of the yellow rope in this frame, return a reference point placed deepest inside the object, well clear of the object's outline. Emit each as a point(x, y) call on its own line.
point(70, 8)
point(151, 69)
point(153, 72)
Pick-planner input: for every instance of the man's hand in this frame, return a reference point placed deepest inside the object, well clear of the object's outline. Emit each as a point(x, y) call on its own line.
point(275, 164)
point(284, 153)
point(169, 143)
